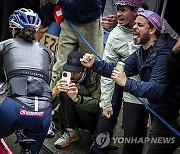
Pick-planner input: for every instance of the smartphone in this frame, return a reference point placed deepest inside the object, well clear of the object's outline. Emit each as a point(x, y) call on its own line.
point(66, 76)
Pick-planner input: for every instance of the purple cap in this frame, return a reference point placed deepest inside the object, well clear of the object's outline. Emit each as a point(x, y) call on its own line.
point(153, 18)
point(135, 3)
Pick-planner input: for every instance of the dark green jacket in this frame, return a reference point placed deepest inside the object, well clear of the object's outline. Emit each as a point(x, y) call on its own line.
point(88, 93)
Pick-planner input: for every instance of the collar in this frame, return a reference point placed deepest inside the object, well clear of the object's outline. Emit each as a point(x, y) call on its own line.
point(125, 29)
point(82, 77)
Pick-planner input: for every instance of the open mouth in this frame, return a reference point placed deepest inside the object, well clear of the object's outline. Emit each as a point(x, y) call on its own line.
point(120, 19)
point(136, 35)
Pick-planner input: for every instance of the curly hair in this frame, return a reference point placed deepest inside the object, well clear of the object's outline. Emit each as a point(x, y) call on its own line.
point(27, 33)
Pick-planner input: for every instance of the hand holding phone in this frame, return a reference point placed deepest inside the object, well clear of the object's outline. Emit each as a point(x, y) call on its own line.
point(66, 76)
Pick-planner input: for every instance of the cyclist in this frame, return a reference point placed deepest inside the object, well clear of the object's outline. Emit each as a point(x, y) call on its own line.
point(27, 66)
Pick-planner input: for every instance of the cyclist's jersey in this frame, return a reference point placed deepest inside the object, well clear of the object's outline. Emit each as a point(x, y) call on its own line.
point(27, 67)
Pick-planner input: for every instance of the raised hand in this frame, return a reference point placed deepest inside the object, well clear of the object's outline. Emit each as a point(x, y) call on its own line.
point(87, 60)
point(109, 22)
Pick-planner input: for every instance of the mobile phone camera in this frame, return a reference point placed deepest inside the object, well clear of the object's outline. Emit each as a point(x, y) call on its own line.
point(64, 74)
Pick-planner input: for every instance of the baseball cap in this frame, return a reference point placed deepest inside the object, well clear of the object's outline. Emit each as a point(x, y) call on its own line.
point(73, 63)
point(153, 18)
point(135, 3)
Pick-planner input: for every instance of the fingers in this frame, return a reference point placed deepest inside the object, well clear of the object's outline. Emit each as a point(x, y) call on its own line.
point(87, 57)
point(107, 115)
point(88, 60)
point(62, 89)
point(109, 22)
point(176, 48)
point(56, 90)
point(61, 86)
point(117, 69)
point(109, 18)
point(72, 84)
point(74, 92)
point(114, 76)
point(105, 24)
point(113, 16)
point(116, 72)
point(62, 83)
point(108, 112)
point(73, 87)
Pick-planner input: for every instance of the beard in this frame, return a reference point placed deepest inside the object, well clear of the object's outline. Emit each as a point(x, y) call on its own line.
point(144, 39)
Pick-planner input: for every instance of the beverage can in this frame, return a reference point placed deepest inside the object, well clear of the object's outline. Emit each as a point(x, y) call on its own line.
point(120, 65)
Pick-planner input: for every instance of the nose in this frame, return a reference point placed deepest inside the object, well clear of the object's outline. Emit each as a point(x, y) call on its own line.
point(119, 13)
point(135, 26)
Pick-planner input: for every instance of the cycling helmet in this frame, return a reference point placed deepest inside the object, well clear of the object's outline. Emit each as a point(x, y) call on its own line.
point(23, 18)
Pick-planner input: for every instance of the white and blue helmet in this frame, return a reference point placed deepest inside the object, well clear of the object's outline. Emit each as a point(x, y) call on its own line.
point(23, 18)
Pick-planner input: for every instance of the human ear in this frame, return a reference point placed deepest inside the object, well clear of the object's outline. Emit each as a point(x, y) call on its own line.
point(152, 30)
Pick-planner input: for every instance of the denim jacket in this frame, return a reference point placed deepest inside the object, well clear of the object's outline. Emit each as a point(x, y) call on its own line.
point(152, 72)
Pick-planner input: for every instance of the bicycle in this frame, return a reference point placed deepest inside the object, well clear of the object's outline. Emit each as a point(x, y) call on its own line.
point(4, 149)
point(24, 142)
